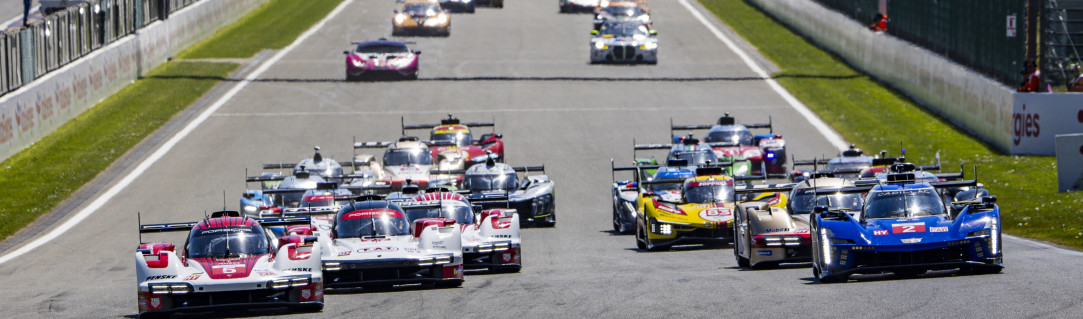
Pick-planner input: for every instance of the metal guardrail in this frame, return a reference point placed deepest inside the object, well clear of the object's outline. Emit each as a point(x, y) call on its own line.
point(66, 35)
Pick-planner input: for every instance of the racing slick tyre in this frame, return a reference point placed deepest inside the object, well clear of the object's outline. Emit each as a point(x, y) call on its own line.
point(640, 237)
point(350, 78)
point(618, 226)
point(742, 262)
point(651, 246)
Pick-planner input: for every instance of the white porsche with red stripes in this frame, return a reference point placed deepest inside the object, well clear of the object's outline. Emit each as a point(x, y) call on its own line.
point(490, 237)
point(229, 262)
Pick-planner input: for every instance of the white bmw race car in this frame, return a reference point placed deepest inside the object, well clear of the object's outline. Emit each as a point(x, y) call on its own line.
point(229, 262)
point(624, 41)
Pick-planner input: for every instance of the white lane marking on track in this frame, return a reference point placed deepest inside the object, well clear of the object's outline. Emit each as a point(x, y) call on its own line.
point(1040, 245)
point(168, 145)
point(828, 133)
point(574, 109)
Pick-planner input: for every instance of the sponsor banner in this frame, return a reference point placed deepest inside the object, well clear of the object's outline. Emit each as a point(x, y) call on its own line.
point(1037, 118)
point(38, 108)
point(1069, 157)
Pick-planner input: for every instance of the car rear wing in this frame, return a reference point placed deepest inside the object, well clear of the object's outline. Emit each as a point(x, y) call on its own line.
point(765, 188)
point(726, 119)
point(450, 120)
point(357, 145)
point(187, 226)
point(286, 165)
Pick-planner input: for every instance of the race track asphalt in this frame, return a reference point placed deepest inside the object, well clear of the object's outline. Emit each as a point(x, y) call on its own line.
point(524, 66)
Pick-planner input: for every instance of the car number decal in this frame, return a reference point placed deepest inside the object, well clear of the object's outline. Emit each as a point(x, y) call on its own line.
point(908, 228)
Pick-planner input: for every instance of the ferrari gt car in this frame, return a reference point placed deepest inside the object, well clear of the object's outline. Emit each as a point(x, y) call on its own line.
point(381, 57)
point(420, 17)
point(228, 262)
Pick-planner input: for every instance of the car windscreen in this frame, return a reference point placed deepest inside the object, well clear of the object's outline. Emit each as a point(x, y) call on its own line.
point(427, 9)
point(382, 48)
point(805, 199)
point(371, 222)
point(289, 199)
point(623, 11)
point(703, 192)
point(658, 188)
point(489, 182)
point(227, 242)
point(739, 136)
point(903, 204)
point(625, 30)
point(695, 157)
point(407, 156)
point(456, 138)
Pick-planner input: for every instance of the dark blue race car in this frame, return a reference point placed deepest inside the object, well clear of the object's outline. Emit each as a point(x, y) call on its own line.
point(906, 228)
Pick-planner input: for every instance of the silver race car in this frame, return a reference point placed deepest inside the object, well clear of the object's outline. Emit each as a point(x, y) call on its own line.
point(496, 185)
point(624, 41)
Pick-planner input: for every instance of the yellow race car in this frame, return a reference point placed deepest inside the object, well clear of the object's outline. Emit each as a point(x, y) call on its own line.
point(700, 213)
point(421, 16)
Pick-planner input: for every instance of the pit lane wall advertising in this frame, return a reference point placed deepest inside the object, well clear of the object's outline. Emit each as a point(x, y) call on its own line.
point(39, 108)
point(983, 107)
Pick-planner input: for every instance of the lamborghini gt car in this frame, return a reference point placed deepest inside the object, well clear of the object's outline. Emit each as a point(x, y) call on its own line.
point(420, 17)
point(371, 244)
point(627, 41)
point(731, 140)
point(381, 57)
point(904, 227)
point(228, 262)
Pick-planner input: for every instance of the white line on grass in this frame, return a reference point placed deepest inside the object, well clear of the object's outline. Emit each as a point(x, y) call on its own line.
point(165, 148)
point(816, 122)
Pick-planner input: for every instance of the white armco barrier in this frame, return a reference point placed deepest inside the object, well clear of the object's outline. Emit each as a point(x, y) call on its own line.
point(38, 108)
point(1069, 162)
point(981, 106)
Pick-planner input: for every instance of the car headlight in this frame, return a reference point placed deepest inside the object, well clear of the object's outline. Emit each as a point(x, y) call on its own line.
point(649, 46)
point(441, 19)
point(332, 266)
point(399, 18)
point(665, 229)
point(600, 45)
point(357, 62)
point(826, 249)
point(170, 288)
point(296, 281)
point(645, 18)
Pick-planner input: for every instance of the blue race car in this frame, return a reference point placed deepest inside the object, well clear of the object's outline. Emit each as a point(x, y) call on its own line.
point(906, 228)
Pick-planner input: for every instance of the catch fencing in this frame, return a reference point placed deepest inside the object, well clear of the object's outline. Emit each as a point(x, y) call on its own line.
point(66, 35)
point(987, 36)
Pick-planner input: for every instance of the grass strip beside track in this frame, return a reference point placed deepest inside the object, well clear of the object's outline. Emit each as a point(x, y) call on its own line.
point(38, 178)
point(272, 26)
point(876, 117)
point(43, 175)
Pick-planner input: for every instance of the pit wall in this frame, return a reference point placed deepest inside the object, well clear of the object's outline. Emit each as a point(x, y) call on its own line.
point(1014, 123)
point(41, 107)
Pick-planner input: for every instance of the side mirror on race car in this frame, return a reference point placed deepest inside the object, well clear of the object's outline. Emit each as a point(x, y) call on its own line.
point(346, 52)
point(418, 52)
point(988, 200)
point(654, 32)
point(593, 32)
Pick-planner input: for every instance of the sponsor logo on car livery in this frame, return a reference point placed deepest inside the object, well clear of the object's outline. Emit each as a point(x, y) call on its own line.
point(160, 277)
point(939, 229)
point(763, 252)
point(879, 232)
point(193, 276)
point(908, 228)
